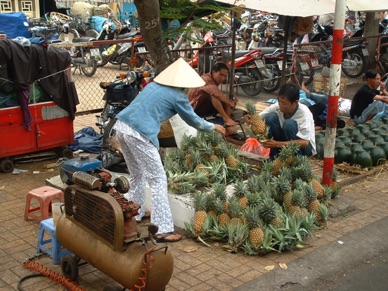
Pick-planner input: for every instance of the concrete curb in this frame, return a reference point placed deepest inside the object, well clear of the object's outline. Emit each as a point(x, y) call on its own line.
point(326, 262)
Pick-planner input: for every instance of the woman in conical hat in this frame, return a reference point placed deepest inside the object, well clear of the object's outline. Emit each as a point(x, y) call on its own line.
point(137, 130)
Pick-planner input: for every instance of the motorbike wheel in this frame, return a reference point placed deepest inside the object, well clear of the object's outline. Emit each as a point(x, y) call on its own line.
point(306, 76)
point(91, 67)
point(274, 82)
point(360, 68)
point(255, 84)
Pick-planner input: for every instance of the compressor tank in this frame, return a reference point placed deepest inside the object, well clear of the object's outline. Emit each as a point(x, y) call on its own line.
point(100, 242)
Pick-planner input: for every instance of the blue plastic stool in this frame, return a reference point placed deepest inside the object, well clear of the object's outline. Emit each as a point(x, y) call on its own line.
point(55, 251)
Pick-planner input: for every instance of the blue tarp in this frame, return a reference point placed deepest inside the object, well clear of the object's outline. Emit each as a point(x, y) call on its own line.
point(14, 24)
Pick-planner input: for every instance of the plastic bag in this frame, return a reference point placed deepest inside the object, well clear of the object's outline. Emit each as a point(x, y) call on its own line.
point(181, 128)
point(252, 145)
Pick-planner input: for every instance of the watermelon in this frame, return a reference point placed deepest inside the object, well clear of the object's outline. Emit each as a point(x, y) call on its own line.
point(342, 154)
point(378, 156)
point(362, 158)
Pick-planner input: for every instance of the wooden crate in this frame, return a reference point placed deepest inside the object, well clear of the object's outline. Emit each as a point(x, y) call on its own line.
point(322, 84)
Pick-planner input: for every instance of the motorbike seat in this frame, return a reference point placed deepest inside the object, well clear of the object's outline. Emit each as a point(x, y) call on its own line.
point(127, 35)
point(241, 53)
point(84, 39)
point(349, 43)
point(268, 50)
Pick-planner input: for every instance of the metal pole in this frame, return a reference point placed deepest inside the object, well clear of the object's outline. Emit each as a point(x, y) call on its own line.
point(334, 87)
point(285, 47)
point(231, 75)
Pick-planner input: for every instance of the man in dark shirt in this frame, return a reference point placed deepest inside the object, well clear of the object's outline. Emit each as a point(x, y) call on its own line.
point(368, 101)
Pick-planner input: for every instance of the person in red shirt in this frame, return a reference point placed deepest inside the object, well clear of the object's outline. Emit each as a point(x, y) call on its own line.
point(209, 101)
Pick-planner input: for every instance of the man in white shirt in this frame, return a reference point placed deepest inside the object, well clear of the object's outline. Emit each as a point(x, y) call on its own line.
point(289, 121)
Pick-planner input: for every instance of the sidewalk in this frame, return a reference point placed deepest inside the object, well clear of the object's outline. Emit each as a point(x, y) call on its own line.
point(196, 267)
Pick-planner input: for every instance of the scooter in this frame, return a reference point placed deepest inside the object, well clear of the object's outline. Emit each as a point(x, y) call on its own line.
point(203, 57)
point(81, 57)
point(118, 95)
point(120, 53)
point(249, 71)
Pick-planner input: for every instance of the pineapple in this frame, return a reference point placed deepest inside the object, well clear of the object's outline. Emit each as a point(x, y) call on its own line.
point(255, 224)
point(296, 203)
point(222, 217)
point(268, 211)
point(258, 125)
point(285, 157)
point(253, 198)
point(319, 189)
point(200, 214)
point(220, 192)
point(253, 184)
point(240, 190)
point(334, 185)
point(322, 214)
point(210, 205)
point(235, 211)
point(313, 202)
point(231, 160)
point(282, 188)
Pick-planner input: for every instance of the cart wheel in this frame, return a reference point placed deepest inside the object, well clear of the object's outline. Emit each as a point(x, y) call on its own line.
point(111, 287)
point(6, 166)
point(69, 267)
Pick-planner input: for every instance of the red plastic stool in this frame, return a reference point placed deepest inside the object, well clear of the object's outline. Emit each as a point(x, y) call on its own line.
point(44, 195)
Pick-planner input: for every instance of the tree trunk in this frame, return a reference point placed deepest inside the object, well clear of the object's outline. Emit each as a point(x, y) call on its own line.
point(151, 30)
point(371, 29)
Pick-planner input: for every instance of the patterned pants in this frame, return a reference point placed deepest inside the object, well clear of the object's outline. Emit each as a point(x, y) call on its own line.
point(144, 165)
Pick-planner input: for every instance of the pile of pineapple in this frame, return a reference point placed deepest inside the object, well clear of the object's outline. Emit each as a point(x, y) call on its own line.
point(201, 161)
point(274, 210)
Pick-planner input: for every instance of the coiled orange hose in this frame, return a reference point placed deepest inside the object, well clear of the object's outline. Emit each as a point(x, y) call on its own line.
point(42, 269)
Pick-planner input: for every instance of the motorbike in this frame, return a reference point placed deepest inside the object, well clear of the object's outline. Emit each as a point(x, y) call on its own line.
point(81, 56)
point(274, 64)
point(118, 95)
point(120, 53)
point(249, 71)
point(354, 54)
point(204, 56)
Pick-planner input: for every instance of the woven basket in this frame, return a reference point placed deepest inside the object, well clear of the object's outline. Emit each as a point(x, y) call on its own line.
point(322, 84)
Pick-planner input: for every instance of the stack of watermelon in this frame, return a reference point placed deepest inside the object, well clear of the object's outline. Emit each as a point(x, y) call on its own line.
point(365, 145)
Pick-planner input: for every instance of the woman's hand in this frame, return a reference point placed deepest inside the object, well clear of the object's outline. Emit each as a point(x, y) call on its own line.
point(219, 128)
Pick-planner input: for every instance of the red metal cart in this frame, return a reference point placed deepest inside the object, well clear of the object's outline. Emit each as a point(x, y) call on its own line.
point(51, 128)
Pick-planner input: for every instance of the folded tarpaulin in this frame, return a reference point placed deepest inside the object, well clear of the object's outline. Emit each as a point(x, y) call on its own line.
point(88, 140)
point(14, 24)
point(28, 64)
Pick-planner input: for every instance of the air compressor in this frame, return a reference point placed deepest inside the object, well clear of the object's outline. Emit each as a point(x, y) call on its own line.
point(99, 227)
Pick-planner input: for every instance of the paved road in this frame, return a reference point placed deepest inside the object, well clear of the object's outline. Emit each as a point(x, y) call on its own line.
point(357, 261)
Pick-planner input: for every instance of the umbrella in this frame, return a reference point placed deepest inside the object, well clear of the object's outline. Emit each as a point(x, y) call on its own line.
point(307, 7)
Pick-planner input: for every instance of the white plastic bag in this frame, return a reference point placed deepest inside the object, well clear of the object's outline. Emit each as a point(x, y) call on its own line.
point(181, 128)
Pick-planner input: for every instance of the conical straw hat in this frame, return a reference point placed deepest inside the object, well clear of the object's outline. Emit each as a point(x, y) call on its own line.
point(180, 74)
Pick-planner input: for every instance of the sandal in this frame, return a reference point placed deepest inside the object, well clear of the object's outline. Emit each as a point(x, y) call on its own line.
point(146, 215)
point(236, 136)
point(168, 237)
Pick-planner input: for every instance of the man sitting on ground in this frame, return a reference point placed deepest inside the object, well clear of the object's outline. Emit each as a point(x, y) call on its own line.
point(289, 121)
point(368, 101)
point(208, 100)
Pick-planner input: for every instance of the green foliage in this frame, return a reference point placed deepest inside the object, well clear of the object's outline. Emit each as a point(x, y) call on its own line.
point(186, 11)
